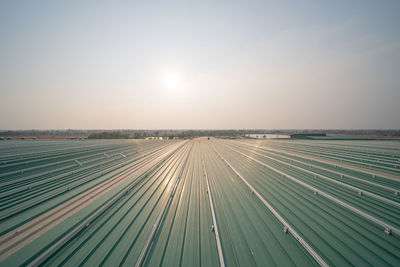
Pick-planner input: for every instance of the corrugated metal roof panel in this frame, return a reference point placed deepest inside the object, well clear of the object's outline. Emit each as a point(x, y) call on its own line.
point(155, 203)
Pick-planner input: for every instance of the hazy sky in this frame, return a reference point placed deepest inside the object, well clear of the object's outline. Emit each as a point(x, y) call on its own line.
point(267, 64)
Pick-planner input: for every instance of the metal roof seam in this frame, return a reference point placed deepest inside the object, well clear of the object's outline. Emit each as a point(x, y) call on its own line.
point(302, 242)
point(215, 225)
point(160, 216)
point(332, 171)
point(46, 254)
point(334, 199)
point(391, 202)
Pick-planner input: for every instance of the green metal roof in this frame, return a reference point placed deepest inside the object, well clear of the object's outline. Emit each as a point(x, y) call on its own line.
point(199, 202)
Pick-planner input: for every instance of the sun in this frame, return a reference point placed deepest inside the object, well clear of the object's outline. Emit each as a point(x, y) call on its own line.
point(172, 80)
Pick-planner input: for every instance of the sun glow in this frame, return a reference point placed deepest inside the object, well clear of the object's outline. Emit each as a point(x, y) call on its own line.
point(172, 80)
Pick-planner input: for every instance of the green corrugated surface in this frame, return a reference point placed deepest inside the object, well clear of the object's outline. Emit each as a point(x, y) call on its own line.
point(249, 233)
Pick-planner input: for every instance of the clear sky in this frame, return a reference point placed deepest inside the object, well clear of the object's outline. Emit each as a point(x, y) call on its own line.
point(204, 65)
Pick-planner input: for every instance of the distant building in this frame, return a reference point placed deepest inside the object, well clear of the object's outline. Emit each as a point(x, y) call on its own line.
point(306, 136)
point(323, 136)
point(154, 138)
point(268, 136)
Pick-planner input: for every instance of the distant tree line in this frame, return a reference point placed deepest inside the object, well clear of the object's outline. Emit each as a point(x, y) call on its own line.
point(180, 134)
point(108, 135)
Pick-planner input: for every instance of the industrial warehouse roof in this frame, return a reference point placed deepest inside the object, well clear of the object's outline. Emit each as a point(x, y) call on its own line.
point(199, 202)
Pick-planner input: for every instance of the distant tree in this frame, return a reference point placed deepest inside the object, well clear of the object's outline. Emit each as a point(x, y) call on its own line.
point(108, 135)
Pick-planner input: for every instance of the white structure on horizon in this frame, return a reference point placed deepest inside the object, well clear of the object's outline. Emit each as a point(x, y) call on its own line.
point(269, 136)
